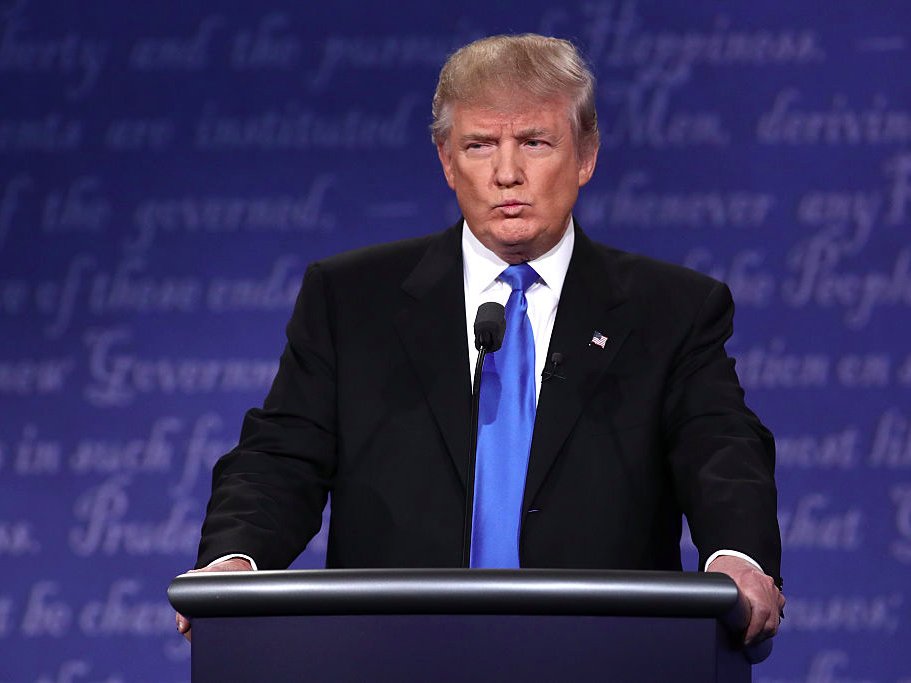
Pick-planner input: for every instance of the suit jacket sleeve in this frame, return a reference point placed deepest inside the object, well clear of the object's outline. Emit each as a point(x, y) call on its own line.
point(721, 455)
point(268, 493)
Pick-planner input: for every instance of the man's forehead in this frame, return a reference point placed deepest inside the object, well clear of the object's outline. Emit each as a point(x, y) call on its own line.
point(522, 113)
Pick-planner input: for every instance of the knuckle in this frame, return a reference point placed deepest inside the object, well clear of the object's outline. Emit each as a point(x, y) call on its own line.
point(761, 612)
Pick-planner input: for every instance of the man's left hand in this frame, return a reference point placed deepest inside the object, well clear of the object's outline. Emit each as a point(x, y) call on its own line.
point(762, 596)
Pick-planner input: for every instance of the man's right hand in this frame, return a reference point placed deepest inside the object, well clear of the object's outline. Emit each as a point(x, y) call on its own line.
point(235, 564)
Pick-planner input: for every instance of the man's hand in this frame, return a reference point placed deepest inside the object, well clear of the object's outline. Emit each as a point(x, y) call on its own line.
point(235, 564)
point(762, 596)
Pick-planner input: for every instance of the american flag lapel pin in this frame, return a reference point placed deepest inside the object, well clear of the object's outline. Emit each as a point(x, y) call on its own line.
point(598, 339)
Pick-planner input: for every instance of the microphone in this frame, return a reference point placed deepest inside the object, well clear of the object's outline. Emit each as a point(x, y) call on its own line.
point(489, 330)
point(489, 327)
point(548, 372)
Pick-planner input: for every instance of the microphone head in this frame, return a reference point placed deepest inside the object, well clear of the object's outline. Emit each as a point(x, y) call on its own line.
point(489, 326)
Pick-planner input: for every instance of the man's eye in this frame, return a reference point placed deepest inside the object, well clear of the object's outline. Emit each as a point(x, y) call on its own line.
point(535, 143)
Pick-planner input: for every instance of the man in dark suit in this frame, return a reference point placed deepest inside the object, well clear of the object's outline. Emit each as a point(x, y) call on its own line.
point(641, 420)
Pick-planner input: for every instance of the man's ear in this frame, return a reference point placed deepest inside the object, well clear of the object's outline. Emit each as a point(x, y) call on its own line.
point(443, 151)
point(587, 165)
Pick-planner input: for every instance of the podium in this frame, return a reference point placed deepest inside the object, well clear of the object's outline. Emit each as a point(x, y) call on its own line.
point(442, 625)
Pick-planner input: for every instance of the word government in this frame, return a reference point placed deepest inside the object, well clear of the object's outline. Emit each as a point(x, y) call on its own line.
point(117, 377)
point(225, 215)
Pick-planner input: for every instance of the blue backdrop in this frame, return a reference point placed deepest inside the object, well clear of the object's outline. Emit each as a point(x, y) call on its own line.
point(168, 169)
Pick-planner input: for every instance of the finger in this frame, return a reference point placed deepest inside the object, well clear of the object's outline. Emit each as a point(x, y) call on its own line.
point(183, 627)
point(758, 620)
point(768, 616)
point(183, 624)
point(769, 628)
point(753, 630)
point(772, 624)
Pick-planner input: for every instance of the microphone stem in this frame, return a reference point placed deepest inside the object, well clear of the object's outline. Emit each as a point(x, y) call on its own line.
point(472, 457)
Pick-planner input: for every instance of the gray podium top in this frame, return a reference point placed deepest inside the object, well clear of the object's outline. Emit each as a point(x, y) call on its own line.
point(459, 591)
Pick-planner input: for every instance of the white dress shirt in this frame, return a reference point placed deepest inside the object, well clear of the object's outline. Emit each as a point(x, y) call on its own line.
point(482, 268)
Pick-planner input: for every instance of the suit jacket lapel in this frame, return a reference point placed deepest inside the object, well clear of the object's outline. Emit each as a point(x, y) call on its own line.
point(592, 300)
point(432, 328)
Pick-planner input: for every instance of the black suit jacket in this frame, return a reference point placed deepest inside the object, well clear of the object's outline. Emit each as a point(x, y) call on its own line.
point(372, 398)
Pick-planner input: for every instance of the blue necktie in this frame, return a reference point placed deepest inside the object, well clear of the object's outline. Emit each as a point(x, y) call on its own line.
point(505, 423)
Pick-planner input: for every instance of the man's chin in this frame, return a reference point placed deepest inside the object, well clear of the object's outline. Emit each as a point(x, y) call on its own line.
point(514, 232)
point(514, 240)
point(513, 258)
point(516, 244)
point(517, 251)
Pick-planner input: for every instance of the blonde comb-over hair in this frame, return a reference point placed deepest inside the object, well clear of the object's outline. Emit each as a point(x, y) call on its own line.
point(541, 67)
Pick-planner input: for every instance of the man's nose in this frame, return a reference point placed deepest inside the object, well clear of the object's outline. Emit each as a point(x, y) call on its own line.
point(508, 169)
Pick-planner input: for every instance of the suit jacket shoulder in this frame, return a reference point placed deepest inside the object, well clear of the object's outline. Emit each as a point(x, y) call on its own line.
point(388, 263)
point(672, 288)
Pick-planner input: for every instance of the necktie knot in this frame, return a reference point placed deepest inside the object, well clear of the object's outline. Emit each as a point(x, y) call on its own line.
point(520, 276)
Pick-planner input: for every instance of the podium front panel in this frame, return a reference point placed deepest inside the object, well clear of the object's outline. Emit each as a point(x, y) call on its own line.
point(453, 648)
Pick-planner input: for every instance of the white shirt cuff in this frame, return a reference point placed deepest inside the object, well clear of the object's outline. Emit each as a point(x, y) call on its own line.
point(242, 557)
point(733, 553)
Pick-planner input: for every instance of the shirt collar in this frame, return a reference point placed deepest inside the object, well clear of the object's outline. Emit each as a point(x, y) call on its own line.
point(482, 266)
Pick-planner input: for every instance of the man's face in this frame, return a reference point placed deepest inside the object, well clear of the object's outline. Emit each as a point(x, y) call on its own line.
point(516, 172)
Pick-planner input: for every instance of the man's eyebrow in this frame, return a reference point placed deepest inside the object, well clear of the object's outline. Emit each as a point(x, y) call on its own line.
point(477, 137)
point(527, 133)
point(523, 134)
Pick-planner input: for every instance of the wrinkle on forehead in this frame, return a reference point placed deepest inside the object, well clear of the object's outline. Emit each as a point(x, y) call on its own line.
point(513, 103)
point(511, 113)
